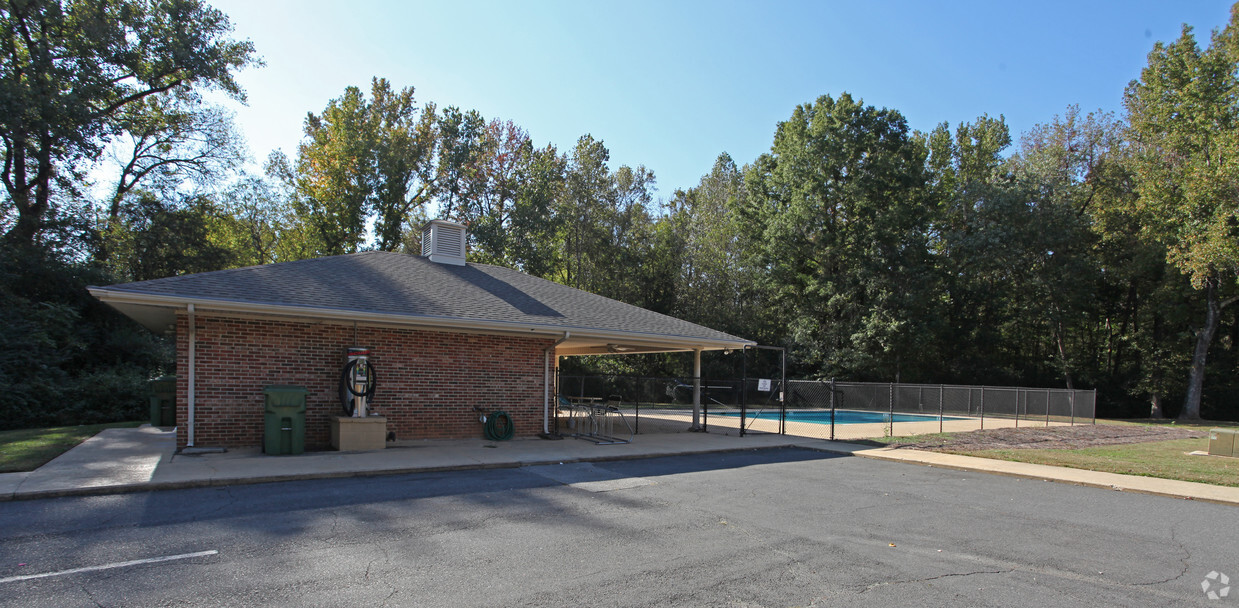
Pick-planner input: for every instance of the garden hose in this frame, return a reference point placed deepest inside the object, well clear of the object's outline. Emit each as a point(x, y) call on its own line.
point(499, 426)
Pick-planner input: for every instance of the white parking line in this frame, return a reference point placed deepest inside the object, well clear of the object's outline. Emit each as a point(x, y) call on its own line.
point(149, 560)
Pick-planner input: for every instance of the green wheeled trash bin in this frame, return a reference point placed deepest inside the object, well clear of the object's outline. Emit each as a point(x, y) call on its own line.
point(163, 401)
point(284, 419)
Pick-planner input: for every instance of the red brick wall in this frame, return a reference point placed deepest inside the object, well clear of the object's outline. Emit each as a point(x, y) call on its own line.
point(428, 382)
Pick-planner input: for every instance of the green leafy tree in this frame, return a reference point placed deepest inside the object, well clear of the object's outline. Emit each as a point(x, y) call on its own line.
point(335, 174)
point(65, 357)
point(405, 143)
point(840, 208)
point(160, 239)
point(973, 195)
point(1184, 126)
point(69, 71)
point(253, 220)
point(714, 286)
point(165, 142)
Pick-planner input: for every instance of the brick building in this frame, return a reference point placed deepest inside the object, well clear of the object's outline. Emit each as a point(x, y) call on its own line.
point(444, 336)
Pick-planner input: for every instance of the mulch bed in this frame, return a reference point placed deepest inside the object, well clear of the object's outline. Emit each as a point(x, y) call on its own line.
point(1051, 438)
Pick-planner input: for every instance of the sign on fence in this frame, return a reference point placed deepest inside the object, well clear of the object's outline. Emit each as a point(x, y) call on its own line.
point(763, 385)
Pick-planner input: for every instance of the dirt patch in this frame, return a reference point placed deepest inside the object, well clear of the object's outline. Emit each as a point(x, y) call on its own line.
point(1050, 438)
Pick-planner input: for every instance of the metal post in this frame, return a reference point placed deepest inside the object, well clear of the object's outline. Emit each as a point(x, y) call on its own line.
point(1073, 408)
point(832, 409)
point(1047, 408)
point(982, 407)
point(705, 409)
point(1017, 408)
point(890, 399)
point(636, 414)
point(696, 389)
point(1094, 406)
point(941, 407)
point(783, 389)
point(744, 386)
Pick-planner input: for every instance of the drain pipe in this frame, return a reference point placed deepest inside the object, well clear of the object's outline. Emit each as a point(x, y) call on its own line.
point(546, 383)
point(193, 336)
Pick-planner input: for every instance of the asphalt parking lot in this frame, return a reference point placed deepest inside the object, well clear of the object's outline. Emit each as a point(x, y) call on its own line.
point(779, 527)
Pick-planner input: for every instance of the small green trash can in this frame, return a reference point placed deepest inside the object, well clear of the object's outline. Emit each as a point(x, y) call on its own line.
point(162, 392)
point(284, 419)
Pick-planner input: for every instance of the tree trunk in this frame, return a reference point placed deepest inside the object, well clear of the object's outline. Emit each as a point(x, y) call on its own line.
point(1204, 338)
point(29, 221)
point(1062, 355)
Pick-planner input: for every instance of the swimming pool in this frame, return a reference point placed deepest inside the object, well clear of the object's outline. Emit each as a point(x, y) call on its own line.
point(841, 416)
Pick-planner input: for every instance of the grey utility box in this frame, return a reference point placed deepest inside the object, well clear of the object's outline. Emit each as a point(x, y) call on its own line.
point(1222, 442)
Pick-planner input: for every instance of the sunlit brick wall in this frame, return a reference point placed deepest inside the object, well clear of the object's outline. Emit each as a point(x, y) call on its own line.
point(428, 381)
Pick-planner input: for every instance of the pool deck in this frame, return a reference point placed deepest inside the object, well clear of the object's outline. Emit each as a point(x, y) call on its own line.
point(846, 431)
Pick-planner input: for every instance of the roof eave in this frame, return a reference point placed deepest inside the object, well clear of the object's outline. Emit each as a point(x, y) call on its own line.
point(126, 301)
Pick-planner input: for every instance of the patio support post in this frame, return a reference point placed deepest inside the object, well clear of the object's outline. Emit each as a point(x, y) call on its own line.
point(546, 382)
point(696, 391)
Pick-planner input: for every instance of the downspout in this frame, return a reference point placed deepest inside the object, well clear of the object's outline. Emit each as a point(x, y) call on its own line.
point(193, 336)
point(546, 383)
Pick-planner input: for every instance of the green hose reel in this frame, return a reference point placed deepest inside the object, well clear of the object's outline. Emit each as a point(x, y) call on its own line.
point(498, 426)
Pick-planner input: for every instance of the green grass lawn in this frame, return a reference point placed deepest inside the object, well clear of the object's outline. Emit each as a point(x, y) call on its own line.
point(1164, 459)
point(29, 449)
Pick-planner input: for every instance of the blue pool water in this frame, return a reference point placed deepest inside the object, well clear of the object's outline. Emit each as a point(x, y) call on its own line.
point(841, 416)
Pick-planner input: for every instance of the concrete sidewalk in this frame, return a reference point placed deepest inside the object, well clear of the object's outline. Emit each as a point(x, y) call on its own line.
point(144, 458)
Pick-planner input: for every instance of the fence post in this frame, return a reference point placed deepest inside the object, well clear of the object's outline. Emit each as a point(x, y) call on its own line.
point(744, 386)
point(705, 406)
point(1017, 407)
point(832, 409)
point(982, 407)
point(1073, 408)
point(1047, 408)
point(941, 407)
point(1094, 406)
point(637, 411)
point(890, 399)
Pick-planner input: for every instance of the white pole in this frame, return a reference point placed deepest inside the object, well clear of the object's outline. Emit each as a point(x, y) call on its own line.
point(546, 382)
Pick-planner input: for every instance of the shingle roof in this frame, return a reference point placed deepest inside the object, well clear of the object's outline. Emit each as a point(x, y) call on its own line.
point(414, 288)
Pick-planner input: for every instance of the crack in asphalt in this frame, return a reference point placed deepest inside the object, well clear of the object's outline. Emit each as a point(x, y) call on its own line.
point(934, 578)
point(1187, 555)
point(231, 500)
point(90, 595)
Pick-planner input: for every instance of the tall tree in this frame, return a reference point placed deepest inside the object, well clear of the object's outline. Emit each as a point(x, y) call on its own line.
point(713, 286)
point(1185, 125)
point(70, 68)
point(840, 209)
point(335, 174)
point(405, 141)
point(166, 140)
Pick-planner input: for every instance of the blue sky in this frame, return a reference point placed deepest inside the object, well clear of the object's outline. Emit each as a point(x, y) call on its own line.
point(670, 85)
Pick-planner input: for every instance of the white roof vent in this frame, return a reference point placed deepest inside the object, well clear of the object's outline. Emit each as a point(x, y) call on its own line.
point(444, 242)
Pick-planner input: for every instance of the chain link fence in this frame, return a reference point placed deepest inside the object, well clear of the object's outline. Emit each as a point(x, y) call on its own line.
point(823, 409)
